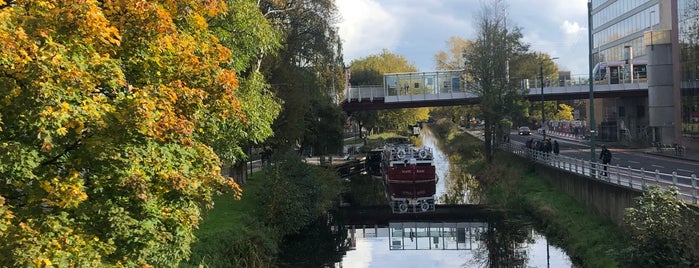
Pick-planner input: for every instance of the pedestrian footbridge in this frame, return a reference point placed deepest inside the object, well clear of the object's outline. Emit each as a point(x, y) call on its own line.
point(448, 88)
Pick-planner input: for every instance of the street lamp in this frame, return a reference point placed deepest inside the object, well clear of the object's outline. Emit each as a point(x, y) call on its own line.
point(593, 157)
point(543, 119)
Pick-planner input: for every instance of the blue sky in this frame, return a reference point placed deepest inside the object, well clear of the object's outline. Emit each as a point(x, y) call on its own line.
point(418, 29)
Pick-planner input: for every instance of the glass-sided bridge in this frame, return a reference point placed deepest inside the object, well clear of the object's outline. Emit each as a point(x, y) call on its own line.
point(448, 88)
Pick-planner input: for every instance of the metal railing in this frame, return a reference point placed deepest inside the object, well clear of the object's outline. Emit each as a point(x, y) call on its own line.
point(629, 177)
point(359, 93)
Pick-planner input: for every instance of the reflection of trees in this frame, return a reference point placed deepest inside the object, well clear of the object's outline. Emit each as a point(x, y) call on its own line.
point(320, 244)
point(461, 188)
point(689, 61)
point(689, 40)
point(503, 245)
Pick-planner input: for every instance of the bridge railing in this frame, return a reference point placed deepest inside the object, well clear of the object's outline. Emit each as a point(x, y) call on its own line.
point(360, 93)
point(629, 177)
point(573, 84)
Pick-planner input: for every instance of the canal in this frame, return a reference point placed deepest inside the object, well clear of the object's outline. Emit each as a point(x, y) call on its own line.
point(458, 242)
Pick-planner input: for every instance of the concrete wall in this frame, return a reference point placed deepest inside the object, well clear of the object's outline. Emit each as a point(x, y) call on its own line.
point(606, 199)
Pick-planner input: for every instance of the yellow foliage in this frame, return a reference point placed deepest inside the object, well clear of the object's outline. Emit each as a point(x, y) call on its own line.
point(77, 117)
point(64, 192)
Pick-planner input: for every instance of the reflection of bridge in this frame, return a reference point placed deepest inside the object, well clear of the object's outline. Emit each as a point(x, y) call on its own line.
point(425, 235)
point(449, 227)
point(446, 88)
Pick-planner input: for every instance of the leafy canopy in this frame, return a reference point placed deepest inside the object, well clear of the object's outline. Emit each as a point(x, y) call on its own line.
point(113, 115)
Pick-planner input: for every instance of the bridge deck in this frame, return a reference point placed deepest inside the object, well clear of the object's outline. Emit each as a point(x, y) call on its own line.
point(445, 88)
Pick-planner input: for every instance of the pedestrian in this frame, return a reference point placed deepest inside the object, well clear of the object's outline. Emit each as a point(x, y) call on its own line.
point(606, 157)
point(556, 150)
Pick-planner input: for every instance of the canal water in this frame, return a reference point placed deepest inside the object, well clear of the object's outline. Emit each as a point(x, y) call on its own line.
point(453, 244)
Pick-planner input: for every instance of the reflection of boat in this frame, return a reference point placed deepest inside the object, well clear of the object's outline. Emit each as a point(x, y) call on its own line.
point(410, 177)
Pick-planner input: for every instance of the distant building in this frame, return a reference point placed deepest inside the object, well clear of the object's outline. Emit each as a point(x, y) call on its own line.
point(665, 34)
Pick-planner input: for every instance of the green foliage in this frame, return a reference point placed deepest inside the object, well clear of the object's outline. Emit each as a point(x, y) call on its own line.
point(246, 31)
point(662, 230)
point(325, 132)
point(294, 194)
point(245, 233)
point(366, 191)
point(231, 236)
point(586, 236)
point(307, 73)
point(486, 67)
point(400, 119)
point(370, 70)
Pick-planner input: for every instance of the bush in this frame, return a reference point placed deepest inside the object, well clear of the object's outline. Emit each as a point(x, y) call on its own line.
point(293, 194)
point(663, 230)
point(279, 201)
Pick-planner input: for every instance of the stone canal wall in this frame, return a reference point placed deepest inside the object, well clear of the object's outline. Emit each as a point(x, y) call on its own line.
point(606, 199)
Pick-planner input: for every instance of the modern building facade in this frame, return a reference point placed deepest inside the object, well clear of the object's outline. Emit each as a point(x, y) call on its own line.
point(665, 34)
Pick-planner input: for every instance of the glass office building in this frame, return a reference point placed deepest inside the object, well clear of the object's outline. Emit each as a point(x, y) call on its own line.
point(621, 24)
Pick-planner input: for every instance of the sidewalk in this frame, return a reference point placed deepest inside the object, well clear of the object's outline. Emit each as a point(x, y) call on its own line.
point(688, 155)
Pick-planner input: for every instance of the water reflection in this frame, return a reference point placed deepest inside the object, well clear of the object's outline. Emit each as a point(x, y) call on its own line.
point(434, 235)
point(322, 243)
point(504, 244)
point(457, 244)
point(456, 186)
point(499, 243)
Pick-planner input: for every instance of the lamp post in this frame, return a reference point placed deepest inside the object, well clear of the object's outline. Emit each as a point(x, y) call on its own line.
point(543, 118)
point(591, 81)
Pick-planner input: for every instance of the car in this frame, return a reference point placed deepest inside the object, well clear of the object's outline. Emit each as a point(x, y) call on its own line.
point(524, 131)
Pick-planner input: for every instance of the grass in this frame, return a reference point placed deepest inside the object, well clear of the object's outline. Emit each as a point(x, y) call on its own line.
point(586, 236)
point(230, 225)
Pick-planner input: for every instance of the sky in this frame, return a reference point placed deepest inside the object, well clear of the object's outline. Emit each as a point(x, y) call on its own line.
point(419, 29)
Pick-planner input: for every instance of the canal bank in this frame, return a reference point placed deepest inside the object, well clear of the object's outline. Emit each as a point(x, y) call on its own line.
point(509, 182)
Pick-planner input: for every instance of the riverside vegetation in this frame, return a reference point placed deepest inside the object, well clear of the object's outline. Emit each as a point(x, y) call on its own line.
point(277, 202)
point(660, 231)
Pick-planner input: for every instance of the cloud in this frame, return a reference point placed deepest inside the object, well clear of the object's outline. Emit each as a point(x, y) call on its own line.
point(366, 27)
point(418, 29)
point(572, 28)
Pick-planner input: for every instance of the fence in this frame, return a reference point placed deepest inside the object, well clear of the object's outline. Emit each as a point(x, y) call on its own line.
point(623, 176)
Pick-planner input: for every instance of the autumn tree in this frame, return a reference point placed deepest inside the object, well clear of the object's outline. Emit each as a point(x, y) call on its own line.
point(369, 71)
point(487, 68)
point(564, 113)
point(307, 73)
point(453, 59)
point(250, 36)
point(528, 66)
point(113, 115)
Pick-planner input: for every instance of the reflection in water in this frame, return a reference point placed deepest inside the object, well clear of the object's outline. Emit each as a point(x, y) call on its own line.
point(504, 244)
point(457, 244)
point(455, 186)
point(434, 235)
point(322, 243)
point(461, 244)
